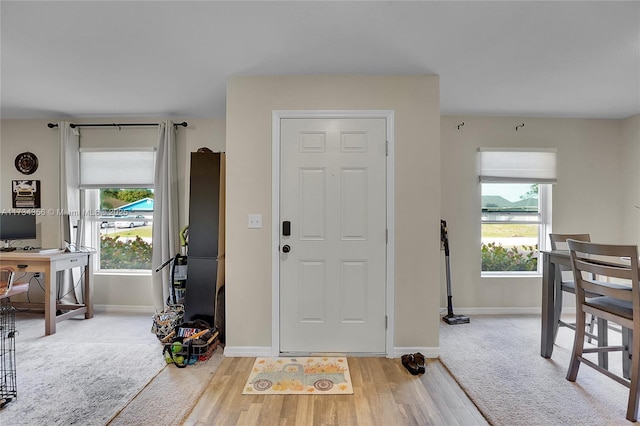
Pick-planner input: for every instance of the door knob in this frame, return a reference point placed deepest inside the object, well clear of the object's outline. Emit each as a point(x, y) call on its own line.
point(286, 248)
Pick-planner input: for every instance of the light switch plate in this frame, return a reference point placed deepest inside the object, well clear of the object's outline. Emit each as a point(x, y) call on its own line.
point(255, 221)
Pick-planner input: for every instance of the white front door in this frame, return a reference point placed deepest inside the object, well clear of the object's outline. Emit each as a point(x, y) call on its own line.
point(333, 263)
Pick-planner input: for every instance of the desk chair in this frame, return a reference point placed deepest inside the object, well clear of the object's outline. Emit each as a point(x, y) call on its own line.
point(7, 287)
point(619, 305)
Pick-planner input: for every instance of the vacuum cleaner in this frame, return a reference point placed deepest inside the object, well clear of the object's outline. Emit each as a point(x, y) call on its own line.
point(450, 318)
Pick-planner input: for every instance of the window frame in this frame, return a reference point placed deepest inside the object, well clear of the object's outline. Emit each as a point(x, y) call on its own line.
point(543, 223)
point(92, 233)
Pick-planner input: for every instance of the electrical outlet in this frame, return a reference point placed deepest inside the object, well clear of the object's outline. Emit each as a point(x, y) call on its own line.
point(37, 275)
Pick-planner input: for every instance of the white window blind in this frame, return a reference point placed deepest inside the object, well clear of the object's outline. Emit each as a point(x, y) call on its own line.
point(517, 165)
point(117, 168)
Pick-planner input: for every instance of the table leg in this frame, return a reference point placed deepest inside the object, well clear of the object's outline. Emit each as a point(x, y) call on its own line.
point(88, 303)
point(50, 292)
point(548, 278)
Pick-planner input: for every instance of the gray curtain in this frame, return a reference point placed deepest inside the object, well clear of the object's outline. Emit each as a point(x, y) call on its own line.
point(69, 202)
point(165, 212)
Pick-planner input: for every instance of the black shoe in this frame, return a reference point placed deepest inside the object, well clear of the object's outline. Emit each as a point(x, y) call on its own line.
point(409, 363)
point(419, 361)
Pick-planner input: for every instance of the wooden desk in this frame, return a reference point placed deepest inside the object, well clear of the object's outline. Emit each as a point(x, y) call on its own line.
point(549, 261)
point(49, 264)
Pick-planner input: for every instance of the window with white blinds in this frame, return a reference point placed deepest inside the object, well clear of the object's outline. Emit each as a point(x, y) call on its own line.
point(516, 208)
point(117, 168)
point(517, 165)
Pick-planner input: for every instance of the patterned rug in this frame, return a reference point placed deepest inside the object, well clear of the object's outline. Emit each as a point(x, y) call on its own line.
point(300, 375)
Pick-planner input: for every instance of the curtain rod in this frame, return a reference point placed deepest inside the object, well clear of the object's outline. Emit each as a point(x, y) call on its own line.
point(73, 126)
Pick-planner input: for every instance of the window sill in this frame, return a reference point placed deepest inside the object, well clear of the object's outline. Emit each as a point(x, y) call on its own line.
point(511, 275)
point(123, 272)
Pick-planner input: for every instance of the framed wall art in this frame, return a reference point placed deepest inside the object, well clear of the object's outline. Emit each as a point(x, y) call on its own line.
point(26, 163)
point(26, 194)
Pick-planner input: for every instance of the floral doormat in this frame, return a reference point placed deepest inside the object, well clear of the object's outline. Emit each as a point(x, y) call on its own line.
point(300, 375)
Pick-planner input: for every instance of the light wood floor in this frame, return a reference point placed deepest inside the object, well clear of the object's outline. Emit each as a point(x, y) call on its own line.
point(384, 394)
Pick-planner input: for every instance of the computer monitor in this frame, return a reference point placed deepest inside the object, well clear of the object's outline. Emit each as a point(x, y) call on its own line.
point(17, 227)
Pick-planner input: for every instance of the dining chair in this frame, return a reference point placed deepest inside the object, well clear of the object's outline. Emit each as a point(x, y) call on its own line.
point(559, 242)
point(619, 304)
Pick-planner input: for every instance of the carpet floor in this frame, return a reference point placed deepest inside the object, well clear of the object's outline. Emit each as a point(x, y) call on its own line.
point(497, 362)
point(171, 395)
point(85, 372)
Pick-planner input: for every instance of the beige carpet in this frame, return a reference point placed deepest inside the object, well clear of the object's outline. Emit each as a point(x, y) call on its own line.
point(169, 398)
point(496, 360)
point(84, 373)
point(299, 375)
point(106, 370)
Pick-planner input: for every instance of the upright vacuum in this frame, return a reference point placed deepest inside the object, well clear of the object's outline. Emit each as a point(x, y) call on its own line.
point(450, 318)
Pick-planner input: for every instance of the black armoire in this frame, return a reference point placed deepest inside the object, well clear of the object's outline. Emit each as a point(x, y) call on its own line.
point(205, 274)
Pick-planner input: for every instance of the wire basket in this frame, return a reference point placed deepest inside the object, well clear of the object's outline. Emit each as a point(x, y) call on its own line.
point(193, 346)
point(8, 387)
point(190, 345)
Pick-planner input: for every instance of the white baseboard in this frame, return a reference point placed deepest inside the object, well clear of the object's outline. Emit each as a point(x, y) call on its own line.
point(125, 308)
point(428, 352)
point(443, 310)
point(504, 311)
point(247, 351)
point(265, 351)
point(495, 311)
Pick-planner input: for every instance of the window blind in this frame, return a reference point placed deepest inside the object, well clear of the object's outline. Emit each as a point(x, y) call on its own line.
point(117, 168)
point(517, 165)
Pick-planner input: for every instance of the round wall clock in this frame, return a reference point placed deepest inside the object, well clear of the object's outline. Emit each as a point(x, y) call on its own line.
point(26, 163)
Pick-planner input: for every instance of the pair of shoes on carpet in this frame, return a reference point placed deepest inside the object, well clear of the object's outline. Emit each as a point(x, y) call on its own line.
point(414, 363)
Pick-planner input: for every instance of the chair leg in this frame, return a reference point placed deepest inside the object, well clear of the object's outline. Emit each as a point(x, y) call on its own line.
point(557, 309)
point(578, 346)
point(603, 340)
point(592, 322)
point(632, 406)
point(627, 342)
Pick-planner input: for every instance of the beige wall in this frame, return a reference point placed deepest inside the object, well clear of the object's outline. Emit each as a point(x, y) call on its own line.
point(587, 197)
point(132, 292)
point(631, 180)
point(17, 136)
point(598, 187)
point(250, 102)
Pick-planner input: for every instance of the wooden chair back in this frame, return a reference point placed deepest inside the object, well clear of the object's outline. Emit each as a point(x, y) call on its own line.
point(610, 263)
point(595, 268)
point(559, 242)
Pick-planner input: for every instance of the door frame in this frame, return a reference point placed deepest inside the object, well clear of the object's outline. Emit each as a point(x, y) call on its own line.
point(278, 115)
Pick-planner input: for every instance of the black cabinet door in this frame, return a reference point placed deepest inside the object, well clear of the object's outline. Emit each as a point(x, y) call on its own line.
point(200, 299)
point(204, 204)
point(204, 225)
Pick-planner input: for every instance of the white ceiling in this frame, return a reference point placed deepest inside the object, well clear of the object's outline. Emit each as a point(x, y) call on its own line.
point(172, 58)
